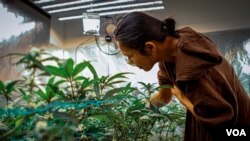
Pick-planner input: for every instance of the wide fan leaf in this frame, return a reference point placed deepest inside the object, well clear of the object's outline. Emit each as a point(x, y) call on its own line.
point(55, 71)
point(79, 68)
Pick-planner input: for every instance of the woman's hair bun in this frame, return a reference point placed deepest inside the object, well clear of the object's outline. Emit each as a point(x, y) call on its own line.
point(170, 24)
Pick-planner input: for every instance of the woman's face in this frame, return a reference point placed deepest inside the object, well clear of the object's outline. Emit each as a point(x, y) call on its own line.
point(134, 57)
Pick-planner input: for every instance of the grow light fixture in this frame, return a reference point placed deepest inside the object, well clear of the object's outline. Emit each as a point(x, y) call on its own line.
point(66, 4)
point(131, 10)
point(124, 6)
point(88, 6)
point(71, 18)
point(43, 1)
point(114, 12)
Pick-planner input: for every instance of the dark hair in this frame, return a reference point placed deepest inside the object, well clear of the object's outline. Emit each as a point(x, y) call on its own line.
point(136, 28)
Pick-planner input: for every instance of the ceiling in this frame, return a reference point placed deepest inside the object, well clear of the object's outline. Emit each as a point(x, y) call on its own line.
point(76, 8)
point(202, 15)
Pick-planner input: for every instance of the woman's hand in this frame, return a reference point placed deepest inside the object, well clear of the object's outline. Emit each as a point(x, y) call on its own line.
point(183, 99)
point(157, 100)
point(161, 98)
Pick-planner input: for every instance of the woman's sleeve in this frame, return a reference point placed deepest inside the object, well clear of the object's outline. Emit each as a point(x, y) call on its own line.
point(195, 57)
point(163, 76)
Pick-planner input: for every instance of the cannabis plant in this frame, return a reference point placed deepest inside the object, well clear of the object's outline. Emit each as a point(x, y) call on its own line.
point(68, 101)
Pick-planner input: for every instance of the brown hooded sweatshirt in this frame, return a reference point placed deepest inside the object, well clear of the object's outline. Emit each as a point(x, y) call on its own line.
point(206, 78)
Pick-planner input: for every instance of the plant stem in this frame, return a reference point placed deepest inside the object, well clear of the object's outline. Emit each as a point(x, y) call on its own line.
point(83, 115)
point(72, 88)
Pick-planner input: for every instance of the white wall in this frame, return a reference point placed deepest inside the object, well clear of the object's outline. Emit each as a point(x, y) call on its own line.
point(208, 15)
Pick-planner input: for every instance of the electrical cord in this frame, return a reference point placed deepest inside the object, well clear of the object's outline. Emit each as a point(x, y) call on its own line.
point(77, 47)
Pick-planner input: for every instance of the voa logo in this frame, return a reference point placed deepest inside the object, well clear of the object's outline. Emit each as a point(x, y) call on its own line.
point(236, 132)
